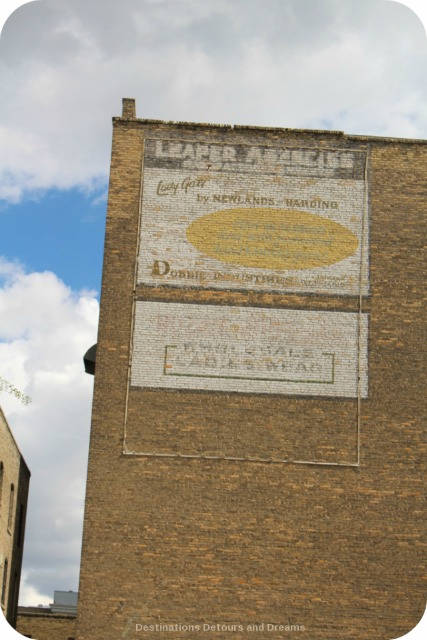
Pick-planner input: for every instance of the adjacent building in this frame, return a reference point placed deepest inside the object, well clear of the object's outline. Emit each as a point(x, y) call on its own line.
point(55, 622)
point(255, 458)
point(14, 484)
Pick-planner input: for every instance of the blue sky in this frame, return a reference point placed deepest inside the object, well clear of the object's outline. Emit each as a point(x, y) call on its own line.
point(60, 231)
point(352, 65)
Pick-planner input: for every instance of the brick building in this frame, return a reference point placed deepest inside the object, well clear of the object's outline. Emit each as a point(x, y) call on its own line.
point(255, 458)
point(14, 484)
point(56, 622)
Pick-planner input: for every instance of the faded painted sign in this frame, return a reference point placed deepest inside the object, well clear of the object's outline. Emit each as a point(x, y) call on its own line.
point(249, 350)
point(254, 218)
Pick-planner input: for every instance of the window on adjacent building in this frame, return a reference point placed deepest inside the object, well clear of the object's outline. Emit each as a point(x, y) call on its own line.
point(20, 526)
point(1, 480)
point(11, 502)
point(3, 586)
point(13, 591)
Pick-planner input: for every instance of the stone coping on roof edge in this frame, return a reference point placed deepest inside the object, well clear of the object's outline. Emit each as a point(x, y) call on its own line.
point(257, 128)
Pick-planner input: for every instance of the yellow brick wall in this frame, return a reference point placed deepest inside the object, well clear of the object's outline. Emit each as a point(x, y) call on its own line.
point(335, 550)
point(13, 470)
point(48, 627)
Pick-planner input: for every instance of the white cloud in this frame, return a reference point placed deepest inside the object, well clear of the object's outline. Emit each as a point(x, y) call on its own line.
point(45, 328)
point(357, 65)
point(29, 596)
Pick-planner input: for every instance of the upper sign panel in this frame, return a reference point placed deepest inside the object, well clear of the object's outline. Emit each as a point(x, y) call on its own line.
point(254, 217)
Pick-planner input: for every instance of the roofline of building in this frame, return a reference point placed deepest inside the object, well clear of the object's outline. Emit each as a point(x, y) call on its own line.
point(13, 438)
point(255, 128)
point(45, 614)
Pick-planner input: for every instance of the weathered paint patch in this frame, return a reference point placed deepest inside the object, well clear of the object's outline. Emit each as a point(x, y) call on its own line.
point(271, 238)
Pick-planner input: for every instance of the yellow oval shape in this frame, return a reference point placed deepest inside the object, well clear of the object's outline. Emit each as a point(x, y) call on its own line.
point(271, 238)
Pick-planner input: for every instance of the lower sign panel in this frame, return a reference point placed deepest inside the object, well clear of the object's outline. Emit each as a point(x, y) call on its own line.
point(249, 350)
